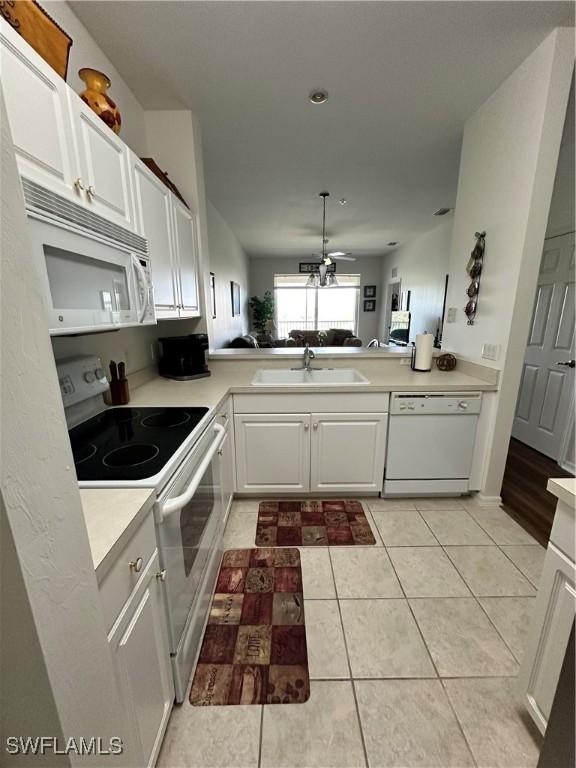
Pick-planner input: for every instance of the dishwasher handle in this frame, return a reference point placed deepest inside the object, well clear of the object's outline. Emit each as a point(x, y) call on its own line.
point(176, 503)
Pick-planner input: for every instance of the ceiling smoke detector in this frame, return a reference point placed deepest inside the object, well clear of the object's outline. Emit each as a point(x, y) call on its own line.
point(342, 201)
point(441, 211)
point(318, 96)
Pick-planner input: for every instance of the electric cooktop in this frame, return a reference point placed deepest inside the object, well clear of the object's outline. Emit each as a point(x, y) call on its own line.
point(130, 443)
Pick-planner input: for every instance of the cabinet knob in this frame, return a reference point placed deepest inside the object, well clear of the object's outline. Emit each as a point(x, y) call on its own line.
point(161, 575)
point(315, 426)
point(306, 426)
point(136, 565)
point(91, 192)
point(78, 185)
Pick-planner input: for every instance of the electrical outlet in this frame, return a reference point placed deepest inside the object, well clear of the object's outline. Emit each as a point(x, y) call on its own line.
point(491, 351)
point(404, 361)
point(451, 315)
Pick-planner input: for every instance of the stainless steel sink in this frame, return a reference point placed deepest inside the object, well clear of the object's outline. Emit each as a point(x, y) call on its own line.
point(287, 377)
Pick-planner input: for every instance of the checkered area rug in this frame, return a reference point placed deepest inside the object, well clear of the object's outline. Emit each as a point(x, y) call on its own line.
point(254, 647)
point(331, 522)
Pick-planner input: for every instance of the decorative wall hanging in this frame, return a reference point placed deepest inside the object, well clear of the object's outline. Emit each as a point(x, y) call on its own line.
point(313, 267)
point(369, 305)
point(39, 30)
point(474, 269)
point(369, 291)
point(96, 96)
point(235, 297)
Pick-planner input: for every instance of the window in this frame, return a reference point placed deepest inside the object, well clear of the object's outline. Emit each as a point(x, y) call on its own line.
point(315, 309)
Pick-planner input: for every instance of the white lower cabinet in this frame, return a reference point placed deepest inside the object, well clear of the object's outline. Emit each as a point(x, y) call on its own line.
point(348, 451)
point(550, 628)
point(139, 645)
point(272, 452)
point(295, 452)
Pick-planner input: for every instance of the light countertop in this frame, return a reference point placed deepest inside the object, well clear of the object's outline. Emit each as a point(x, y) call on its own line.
point(111, 514)
point(564, 488)
point(228, 378)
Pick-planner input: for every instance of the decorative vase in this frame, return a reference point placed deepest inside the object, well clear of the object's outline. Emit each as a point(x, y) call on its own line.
point(95, 95)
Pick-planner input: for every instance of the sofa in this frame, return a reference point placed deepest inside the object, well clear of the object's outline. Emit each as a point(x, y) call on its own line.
point(333, 337)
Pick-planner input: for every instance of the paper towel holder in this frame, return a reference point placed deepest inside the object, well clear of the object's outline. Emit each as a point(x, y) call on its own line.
point(413, 360)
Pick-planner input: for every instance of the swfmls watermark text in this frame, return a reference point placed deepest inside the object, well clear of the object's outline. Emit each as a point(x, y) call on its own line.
point(51, 745)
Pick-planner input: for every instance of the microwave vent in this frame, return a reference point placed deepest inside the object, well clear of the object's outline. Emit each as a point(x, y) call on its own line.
point(43, 201)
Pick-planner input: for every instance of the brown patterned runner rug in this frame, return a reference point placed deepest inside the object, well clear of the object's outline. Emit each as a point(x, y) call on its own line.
point(327, 522)
point(254, 647)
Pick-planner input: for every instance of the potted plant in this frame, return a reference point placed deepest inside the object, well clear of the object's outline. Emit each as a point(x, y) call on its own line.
point(262, 313)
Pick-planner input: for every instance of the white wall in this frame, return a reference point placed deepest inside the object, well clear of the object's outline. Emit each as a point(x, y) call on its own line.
point(262, 271)
point(563, 205)
point(85, 52)
point(65, 645)
point(422, 265)
point(508, 162)
point(229, 262)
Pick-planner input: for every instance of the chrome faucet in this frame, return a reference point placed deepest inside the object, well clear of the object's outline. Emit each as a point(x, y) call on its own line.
point(309, 355)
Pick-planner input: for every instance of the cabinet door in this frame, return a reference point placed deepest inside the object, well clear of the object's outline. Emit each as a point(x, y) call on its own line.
point(153, 221)
point(550, 629)
point(37, 107)
point(104, 165)
point(348, 451)
point(186, 247)
point(272, 452)
point(142, 658)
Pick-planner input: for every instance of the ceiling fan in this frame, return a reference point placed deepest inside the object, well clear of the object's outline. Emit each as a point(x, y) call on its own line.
point(330, 256)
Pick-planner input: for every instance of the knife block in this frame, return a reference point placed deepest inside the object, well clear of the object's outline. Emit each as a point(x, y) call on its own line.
point(119, 392)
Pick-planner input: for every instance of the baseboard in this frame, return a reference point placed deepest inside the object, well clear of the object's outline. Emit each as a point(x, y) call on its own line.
point(489, 501)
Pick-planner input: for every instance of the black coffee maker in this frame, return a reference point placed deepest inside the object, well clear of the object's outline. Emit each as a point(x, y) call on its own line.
point(183, 357)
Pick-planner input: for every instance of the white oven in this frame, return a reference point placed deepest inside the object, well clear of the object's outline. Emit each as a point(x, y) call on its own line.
point(190, 521)
point(96, 275)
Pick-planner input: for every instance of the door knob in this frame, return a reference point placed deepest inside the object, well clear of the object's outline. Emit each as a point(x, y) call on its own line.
point(568, 363)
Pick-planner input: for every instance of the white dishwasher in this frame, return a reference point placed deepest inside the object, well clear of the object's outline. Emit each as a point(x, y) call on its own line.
point(430, 442)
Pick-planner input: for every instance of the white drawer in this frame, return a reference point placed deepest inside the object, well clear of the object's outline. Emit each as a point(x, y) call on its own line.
point(313, 402)
point(121, 580)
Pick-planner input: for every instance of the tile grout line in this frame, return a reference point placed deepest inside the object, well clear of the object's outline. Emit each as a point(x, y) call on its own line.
point(261, 736)
point(476, 597)
point(457, 719)
point(360, 728)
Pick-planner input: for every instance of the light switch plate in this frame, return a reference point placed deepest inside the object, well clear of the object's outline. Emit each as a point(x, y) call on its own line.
point(491, 351)
point(451, 315)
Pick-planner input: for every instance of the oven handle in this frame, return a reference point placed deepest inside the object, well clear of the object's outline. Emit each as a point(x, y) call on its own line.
point(173, 505)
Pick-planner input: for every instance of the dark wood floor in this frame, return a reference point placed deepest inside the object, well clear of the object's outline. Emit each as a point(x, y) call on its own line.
point(524, 493)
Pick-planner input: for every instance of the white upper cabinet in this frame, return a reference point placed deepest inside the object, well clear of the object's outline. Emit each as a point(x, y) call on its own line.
point(186, 248)
point(153, 207)
point(38, 113)
point(170, 229)
point(102, 160)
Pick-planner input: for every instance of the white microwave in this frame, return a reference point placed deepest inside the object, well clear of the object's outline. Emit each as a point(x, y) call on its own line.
point(96, 276)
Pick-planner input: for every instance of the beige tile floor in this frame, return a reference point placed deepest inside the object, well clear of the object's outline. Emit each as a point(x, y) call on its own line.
point(414, 645)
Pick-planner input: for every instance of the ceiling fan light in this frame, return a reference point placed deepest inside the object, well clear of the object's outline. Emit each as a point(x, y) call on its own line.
point(336, 253)
point(312, 281)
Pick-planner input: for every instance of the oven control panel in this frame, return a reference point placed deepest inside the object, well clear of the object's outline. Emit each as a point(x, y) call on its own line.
point(80, 378)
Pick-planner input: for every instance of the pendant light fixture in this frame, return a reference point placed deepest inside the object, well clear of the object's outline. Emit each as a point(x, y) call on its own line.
point(323, 278)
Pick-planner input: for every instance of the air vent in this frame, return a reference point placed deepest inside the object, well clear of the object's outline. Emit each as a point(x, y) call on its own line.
point(441, 211)
point(43, 201)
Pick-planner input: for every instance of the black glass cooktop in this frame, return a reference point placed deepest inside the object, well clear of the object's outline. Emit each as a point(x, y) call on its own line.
point(130, 443)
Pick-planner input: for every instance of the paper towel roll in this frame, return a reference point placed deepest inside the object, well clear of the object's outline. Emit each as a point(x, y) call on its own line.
point(423, 356)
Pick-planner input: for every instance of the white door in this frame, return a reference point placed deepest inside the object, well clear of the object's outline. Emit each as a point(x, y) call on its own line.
point(142, 658)
point(186, 246)
point(272, 452)
point(547, 386)
point(153, 220)
point(39, 117)
point(348, 452)
point(104, 165)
